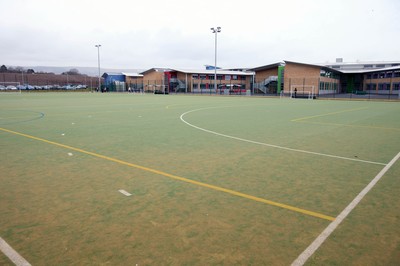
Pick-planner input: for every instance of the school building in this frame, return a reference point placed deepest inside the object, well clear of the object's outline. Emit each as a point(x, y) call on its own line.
point(281, 78)
point(197, 81)
point(327, 79)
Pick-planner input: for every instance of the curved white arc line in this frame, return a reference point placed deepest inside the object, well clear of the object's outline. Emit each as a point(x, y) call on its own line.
point(267, 144)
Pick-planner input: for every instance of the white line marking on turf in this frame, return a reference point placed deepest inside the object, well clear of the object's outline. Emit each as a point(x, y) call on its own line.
point(270, 145)
point(12, 254)
point(125, 192)
point(308, 252)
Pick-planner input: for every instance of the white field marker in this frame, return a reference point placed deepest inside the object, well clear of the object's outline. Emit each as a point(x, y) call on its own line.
point(63, 134)
point(12, 254)
point(125, 192)
point(70, 154)
point(308, 252)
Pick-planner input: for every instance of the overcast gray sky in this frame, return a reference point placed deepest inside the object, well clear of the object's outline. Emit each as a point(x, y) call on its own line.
point(176, 33)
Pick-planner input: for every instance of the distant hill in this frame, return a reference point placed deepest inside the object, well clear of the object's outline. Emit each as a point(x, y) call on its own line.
point(90, 71)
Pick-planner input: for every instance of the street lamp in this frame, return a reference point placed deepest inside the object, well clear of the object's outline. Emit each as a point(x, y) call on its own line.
point(215, 31)
point(98, 61)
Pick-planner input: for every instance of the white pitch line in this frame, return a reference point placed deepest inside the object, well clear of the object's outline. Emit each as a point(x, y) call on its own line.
point(270, 145)
point(310, 250)
point(12, 254)
point(126, 193)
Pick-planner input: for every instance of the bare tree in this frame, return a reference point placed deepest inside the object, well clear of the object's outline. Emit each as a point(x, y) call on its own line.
point(72, 71)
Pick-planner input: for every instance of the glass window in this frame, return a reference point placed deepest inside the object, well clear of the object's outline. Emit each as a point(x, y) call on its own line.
point(195, 76)
point(227, 77)
point(219, 77)
point(203, 76)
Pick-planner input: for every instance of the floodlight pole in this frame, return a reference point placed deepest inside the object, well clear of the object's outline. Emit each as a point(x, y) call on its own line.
point(98, 62)
point(215, 31)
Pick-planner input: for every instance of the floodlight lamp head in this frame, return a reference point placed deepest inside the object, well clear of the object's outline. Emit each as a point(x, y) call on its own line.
point(216, 30)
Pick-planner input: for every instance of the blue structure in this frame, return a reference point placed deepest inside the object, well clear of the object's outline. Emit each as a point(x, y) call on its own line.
point(110, 77)
point(209, 67)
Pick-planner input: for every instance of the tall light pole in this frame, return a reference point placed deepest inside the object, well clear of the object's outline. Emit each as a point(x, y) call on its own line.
point(215, 31)
point(98, 62)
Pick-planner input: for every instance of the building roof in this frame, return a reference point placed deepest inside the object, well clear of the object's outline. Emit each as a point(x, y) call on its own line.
point(132, 74)
point(156, 69)
point(315, 65)
point(362, 63)
point(209, 72)
point(106, 74)
point(266, 67)
point(363, 67)
point(360, 71)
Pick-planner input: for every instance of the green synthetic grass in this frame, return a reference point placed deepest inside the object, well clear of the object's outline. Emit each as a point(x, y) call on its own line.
point(58, 209)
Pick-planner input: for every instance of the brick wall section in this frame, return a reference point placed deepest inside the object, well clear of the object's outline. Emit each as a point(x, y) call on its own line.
point(49, 79)
point(133, 80)
point(152, 79)
point(307, 75)
point(299, 74)
point(264, 74)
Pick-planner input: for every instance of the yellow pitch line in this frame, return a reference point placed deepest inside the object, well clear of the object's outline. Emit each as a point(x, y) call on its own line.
point(334, 113)
point(232, 192)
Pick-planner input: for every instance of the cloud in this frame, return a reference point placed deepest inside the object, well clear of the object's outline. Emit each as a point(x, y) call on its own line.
point(175, 33)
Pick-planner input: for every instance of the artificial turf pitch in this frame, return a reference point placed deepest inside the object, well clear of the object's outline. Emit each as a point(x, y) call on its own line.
point(213, 180)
